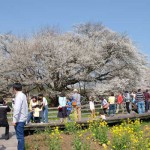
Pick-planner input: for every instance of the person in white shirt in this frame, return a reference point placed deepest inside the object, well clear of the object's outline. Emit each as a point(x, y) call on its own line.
point(45, 108)
point(62, 109)
point(92, 106)
point(105, 104)
point(20, 114)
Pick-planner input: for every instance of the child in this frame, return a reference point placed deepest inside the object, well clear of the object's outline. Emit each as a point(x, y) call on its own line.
point(92, 106)
point(102, 115)
point(69, 108)
point(36, 114)
point(133, 95)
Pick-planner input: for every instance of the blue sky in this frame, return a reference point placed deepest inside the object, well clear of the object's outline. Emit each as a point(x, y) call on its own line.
point(129, 16)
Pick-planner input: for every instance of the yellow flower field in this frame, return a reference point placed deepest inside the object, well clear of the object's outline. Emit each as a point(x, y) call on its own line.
point(130, 135)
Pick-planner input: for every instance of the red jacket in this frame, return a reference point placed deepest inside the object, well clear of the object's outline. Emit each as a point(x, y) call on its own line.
point(119, 99)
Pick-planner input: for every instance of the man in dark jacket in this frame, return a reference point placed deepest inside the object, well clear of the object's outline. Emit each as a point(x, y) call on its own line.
point(3, 117)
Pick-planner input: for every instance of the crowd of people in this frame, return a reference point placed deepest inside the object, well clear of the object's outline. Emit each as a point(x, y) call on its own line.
point(38, 108)
point(133, 101)
point(113, 104)
point(70, 103)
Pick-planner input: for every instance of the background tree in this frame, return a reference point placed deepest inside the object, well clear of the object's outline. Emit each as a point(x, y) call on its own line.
point(92, 55)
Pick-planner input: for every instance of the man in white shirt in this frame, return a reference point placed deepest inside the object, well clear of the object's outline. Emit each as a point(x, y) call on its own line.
point(20, 113)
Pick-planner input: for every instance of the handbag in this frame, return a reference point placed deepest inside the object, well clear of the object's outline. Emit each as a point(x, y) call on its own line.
point(59, 108)
point(74, 103)
point(134, 107)
point(106, 106)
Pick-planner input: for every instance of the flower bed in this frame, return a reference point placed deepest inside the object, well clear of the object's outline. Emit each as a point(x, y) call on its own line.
point(127, 136)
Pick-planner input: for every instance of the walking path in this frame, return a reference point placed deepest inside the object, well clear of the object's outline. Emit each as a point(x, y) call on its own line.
point(10, 144)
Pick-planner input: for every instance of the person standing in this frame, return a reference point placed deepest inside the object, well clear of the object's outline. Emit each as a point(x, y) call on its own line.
point(111, 101)
point(45, 108)
point(133, 101)
point(20, 114)
point(76, 98)
point(140, 101)
point(69, 108)
point(147, 98)
point(133, 95)
point(105, 104)
point(62, 109)
point(92, 106)
point(120, 103)
point(127, 100)
point(3, 117)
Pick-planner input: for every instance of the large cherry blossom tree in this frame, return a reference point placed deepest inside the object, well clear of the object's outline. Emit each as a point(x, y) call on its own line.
point(91, 54)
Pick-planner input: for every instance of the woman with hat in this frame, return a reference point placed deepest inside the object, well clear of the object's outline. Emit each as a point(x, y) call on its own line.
point(76, 103)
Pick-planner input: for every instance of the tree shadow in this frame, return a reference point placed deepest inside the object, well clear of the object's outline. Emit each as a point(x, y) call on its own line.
point(10, 135)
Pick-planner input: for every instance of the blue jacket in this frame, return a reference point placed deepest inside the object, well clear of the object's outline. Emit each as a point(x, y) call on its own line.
point(69, 105)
